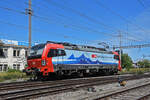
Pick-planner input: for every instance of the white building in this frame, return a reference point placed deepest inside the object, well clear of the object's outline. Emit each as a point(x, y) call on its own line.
point(12, 56)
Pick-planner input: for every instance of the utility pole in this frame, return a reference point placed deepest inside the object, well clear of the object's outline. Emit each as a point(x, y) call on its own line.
point(120, 38)
point(30, 22)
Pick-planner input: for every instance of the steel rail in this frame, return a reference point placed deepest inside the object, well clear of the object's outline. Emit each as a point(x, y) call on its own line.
point(60, 86)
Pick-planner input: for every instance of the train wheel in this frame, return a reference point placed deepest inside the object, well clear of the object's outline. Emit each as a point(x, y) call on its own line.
point(81, 74)
point(33, 77)
point(44, 78)
point(107, 73)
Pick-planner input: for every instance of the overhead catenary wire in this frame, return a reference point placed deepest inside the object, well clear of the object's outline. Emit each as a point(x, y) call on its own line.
point(84, 16)
point(12, 10)
point(45, 31)
point(134, 46)
point(65, 25)
point(81, 15)
point(74, 26)
point(60, 15)
point(117, 28)
point(81, 27)
point(25, 27)
point(78, 13)
point(121, 17)
point(141, 3)
point(17, 11)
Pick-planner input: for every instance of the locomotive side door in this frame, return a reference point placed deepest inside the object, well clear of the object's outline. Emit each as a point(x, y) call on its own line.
point(56, 58)
point(51, 59)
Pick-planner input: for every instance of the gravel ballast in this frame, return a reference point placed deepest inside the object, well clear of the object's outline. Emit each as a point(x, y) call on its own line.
point(81, 94)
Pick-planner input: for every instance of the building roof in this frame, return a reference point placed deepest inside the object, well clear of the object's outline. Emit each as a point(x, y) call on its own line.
point(12, 45)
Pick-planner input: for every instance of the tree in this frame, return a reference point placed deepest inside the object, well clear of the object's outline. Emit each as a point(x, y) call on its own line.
point(126, 61)
point(144, 63)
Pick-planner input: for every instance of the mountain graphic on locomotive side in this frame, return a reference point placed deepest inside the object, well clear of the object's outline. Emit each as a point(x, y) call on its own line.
point(57, 58)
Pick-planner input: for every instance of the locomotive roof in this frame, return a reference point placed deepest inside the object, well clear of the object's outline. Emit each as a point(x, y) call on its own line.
point(80, 47)
point(38, 46)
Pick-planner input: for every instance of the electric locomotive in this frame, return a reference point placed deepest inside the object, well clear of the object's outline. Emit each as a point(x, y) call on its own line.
point(57, 58)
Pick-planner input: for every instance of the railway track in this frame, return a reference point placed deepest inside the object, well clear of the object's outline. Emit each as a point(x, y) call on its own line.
point(132, 92)
point(20, 85)
point(27, 84)
point(145, 97)
point(127, 93)
point(35, 89)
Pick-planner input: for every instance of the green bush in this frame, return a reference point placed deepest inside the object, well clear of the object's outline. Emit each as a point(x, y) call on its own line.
point(126, 61)
point(13, 70)
point(144, 63)
point(12, 74)
point(134, 71)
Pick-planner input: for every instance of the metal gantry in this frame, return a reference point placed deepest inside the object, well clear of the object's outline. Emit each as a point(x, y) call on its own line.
point(132, 46)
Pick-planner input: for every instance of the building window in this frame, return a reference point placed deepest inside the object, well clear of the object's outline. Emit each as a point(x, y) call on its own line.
point(16, 53)
point(5, 52)
point(1, 53)
point(14, 66)
point(26, 53)
point(1, 67)
point(18, 67)
point(5, 67)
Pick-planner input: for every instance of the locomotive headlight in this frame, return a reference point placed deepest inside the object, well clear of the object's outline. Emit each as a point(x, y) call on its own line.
point(43, 62)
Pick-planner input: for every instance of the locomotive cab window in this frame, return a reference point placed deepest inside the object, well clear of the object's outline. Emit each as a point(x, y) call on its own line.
point(56, 52)
point(52, 53)
point(116, 57)
point(61, 52)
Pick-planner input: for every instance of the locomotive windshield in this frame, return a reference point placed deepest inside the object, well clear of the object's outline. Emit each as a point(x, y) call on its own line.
point(56, 52)
point(36, 51)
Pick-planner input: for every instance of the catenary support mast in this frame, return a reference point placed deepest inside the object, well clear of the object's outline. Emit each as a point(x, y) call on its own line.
point(30, 22)
point(120, 36)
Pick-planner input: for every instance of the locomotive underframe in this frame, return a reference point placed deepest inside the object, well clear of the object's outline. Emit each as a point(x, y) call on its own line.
point(78, 70)
point(70, 69)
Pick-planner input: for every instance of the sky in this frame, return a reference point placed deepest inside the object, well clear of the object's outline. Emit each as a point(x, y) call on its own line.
point(86, 22)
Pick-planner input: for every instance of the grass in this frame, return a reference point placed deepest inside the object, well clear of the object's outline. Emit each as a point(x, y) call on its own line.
point(135, 71)
point(12, 74)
